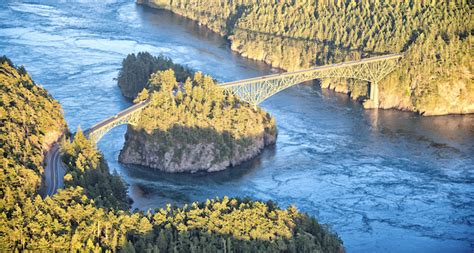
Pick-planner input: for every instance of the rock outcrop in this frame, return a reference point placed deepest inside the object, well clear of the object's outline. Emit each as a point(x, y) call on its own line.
point(142, 148)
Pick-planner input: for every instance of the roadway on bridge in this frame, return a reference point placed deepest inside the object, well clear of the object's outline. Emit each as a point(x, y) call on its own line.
point(55, 169)
point(318, 68)
point(116, 117)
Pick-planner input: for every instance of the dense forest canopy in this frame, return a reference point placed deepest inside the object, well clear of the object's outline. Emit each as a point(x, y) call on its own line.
point(88, 217)
point(436, 37)
point(200, 103)
point(137, 69)
point(89, 170)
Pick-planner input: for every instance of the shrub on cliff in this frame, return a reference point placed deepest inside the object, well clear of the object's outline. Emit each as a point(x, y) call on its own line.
point(200, 103)
point(28, 116)
point(88, 169)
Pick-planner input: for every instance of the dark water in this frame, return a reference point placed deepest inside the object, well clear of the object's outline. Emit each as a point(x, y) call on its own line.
point(385, 181)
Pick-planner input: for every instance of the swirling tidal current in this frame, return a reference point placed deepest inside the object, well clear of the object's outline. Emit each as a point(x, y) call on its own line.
point(385, 181)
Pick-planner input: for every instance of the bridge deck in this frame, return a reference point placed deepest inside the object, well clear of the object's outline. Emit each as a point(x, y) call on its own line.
point(116, 117)
point(320, 68)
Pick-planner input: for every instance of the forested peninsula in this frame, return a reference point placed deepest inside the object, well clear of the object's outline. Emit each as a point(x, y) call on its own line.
point(88, 217)
point(192, 125)
point(434, 77)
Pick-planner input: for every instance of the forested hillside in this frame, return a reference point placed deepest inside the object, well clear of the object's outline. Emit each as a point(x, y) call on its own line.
point(195, 126)
point(80, 218)
point(435, 77)
point(137, 69)
point(30, 121)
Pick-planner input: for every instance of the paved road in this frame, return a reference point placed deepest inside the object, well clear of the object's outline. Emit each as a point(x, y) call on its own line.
point(54, 170)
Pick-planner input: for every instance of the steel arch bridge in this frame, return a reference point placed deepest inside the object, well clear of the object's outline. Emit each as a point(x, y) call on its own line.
point(372, 70)
point(256, 90)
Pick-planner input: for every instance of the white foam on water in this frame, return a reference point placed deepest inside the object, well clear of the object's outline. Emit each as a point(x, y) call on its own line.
point(130, 17)
point(36, 9)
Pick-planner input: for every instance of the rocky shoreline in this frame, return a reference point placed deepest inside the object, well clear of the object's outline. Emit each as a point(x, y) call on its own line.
point(142, 148)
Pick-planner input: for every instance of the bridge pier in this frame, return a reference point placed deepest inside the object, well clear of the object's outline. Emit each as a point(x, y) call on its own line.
point(374, 94)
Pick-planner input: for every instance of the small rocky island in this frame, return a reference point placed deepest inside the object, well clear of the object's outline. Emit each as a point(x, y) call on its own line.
point(194, 127)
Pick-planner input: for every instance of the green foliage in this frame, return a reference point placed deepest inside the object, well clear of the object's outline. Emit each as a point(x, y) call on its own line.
point(137, 69)
point(87, 168)
point(435, 35)
point(83, 219)
point(142, 96)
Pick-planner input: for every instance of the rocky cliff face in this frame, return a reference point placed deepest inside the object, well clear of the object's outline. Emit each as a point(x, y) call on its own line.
point(443, 98)
point(175, 155)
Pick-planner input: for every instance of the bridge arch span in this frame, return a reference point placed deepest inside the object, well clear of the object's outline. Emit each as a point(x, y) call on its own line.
point(256, 90)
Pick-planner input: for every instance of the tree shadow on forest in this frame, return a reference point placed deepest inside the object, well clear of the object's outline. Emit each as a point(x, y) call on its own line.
point(170, 240)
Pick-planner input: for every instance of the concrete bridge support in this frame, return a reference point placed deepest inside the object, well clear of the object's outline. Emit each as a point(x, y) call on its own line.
point(374, 94)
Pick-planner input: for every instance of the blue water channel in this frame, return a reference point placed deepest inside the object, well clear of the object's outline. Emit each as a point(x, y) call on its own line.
point(385, 181)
